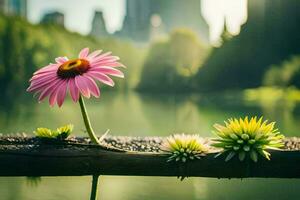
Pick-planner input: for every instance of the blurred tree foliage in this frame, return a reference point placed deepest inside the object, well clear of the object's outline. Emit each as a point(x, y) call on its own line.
point(270, 35)
point(172, 63)
point(25, 47)
point(285, 74)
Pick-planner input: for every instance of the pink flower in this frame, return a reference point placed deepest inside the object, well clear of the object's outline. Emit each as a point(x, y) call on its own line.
point(76, 76)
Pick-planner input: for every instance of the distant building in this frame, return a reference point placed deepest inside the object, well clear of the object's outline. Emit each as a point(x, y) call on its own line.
point(182, 14)
point(138, 22)
point(2, 6)
point(14, 7)
point(98, 25)
point(54, 18)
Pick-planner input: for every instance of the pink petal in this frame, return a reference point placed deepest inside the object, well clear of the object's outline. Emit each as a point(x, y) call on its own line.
point(61, 60)
point(41, 83)
point(94, 54)
point(92, 86)
point(114, 64)
point(105, 60)
point(44, 68)
point(43, 75)
point(48, 90)
point(83, 53)
point(74, 92)
point(61, 94)
point(80, 82)
point(52, 98)
point(41, 79)
point(101, 57)
point(101, 77)
point(109, 71)
point(53, 95)
point(102, 62)
point(48, 68)
point(109, 64)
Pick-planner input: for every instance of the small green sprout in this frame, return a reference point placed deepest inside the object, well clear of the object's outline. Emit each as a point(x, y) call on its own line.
point(60, 133)
point(64, 131)
point(247, 138)
point(183, 148)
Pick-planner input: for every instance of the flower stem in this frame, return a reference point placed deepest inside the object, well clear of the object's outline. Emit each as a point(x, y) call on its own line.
point(87, 122)
point(94, 190)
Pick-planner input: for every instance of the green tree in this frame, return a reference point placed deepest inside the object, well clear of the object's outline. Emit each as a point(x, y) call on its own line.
point(285, 74)
point(172, 63)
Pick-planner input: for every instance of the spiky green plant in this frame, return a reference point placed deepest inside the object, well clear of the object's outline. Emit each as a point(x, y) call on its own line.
point(247, 138)
point(183, 148)
point(60, 133)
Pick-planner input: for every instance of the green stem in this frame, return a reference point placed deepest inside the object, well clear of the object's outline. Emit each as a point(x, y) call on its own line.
point(94, 190)
point(87, 122)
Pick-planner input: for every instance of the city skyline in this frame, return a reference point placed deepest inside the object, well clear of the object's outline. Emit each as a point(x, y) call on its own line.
point(78, 15)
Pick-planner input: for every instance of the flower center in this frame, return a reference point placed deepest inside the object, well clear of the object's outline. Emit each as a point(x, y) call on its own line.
point(72, 68)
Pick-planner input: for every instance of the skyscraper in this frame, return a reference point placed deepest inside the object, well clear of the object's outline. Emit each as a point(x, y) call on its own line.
point(137, 20)
point(54, 18)
point(172, 13)
point(182, 14)
point(14, 7)
point(98, 25)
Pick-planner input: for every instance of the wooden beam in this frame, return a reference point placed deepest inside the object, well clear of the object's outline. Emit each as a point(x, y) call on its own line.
point(67, 159)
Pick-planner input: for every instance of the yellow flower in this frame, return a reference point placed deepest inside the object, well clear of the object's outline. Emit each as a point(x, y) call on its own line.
point(60, 133)
point(184, 147)
point(245, 137)
point(44, 133)
point(64, 131)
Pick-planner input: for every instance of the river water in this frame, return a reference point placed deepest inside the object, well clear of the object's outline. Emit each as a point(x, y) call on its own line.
point(148, 115)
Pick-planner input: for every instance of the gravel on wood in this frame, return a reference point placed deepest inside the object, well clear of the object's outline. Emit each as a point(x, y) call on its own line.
point(120, 143)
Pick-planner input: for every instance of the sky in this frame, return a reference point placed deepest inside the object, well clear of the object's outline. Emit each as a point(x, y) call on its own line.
point(79, 14)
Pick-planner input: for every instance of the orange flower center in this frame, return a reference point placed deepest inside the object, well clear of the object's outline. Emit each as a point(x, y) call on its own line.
point(72, 68)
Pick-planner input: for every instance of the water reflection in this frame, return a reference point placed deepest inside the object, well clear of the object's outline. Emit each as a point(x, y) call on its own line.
point(247, 189)
point(140, 115)
point(149, 188)
point(33, 181)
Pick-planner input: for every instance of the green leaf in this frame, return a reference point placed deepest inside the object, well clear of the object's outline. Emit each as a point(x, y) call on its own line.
point(242, 155)
point(220, 145)
point(264, 153)
point(253, 155)
point(219, 154)
point(230, 156)
point(252, 141)
point(236, 148)
point(245, 136)
point(234, 136)
point(246, 148)
point(240, 141)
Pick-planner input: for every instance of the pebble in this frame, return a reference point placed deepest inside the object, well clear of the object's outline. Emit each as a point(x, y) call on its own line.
point(137, 144)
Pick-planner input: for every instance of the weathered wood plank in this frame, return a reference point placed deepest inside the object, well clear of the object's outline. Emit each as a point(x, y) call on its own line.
point(44, 159)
